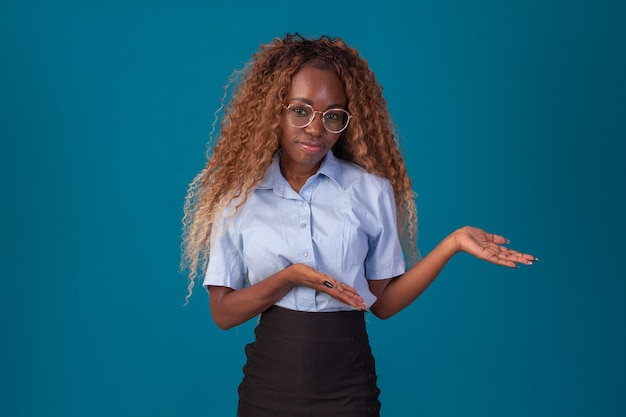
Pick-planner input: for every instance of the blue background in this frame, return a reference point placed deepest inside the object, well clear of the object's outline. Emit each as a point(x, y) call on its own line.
point(512, 116)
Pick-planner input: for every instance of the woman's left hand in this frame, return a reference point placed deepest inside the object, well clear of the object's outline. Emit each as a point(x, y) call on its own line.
point(488, 246)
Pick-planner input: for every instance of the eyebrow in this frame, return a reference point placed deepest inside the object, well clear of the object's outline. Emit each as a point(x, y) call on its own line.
point(309, 102)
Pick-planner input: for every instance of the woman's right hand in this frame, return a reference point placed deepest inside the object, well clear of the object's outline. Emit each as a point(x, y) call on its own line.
point(309, 277)
point(230, 308)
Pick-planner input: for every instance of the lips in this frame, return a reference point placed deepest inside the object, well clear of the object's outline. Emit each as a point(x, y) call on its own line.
point(309, 146)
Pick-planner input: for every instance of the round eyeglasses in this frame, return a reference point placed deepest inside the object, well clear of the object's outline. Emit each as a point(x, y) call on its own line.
point(301, 115)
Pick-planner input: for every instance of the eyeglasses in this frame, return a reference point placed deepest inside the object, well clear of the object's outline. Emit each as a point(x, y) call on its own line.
point(301, 115)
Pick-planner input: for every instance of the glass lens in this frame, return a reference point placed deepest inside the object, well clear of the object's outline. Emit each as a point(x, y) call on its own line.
point(300, 115)
point(335, 120)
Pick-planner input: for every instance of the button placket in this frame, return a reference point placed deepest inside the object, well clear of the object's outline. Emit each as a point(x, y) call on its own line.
point(304, 233)
point(306, 296)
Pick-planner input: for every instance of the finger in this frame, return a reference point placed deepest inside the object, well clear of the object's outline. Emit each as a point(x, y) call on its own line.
point(520, 257)
point(524, 258)
point(340, 286)
point(499, 255)
point(345, 293)
point(340, 291)
point(352, 299)
point(500, 240)
point(512, 259)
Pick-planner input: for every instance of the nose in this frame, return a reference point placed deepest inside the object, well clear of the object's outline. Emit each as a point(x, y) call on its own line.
point(316, 127)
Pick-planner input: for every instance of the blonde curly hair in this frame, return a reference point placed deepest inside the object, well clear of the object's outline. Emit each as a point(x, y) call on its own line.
point(249, 139)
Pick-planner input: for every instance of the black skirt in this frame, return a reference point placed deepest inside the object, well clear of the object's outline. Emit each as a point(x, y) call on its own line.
point(309, 365)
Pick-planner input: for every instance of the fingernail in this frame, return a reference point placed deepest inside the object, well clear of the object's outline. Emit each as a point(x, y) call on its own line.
point(328, 284)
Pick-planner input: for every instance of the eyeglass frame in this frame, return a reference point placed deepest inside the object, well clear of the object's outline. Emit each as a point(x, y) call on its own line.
point(315, 112)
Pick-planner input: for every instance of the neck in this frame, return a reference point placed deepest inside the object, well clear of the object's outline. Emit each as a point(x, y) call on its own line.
point(297, 177)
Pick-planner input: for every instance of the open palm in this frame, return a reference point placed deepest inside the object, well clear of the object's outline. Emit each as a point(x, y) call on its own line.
point(488, 246)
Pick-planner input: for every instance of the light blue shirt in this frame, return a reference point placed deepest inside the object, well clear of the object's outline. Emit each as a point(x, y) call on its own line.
point(342, 222)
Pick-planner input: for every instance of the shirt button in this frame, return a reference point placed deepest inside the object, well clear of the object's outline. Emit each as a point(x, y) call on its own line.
point(302, 224)
point(307, 255)
point(303, 203)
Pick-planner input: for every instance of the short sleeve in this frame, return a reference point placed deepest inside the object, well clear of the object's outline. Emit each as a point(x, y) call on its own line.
point(385, 258)
point(226, 267)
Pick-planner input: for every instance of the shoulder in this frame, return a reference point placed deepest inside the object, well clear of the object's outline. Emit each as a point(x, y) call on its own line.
point(355, 176)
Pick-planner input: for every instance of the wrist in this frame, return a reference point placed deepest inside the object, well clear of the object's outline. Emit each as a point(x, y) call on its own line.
point(452, 242)
point(288, 276)
point(294, 273)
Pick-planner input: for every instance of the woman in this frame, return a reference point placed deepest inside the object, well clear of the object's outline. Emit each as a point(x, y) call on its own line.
point(305, 215)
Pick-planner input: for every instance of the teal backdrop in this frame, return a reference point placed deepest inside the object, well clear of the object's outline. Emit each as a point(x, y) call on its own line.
point(512, 116)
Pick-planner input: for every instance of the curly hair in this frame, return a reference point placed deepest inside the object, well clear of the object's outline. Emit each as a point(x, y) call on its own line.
point(248, 139)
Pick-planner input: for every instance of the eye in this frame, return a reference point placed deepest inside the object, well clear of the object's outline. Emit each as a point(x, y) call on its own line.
point(300, 111)
point(333, 115)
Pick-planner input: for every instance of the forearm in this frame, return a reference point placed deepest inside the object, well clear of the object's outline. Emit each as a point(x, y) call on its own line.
point(231, 308)
point(405, 289)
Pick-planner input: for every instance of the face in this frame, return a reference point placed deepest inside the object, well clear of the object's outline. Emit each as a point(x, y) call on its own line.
point(304, 148)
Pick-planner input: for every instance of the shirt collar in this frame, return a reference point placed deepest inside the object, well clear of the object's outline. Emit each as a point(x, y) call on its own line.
point(274, 179)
